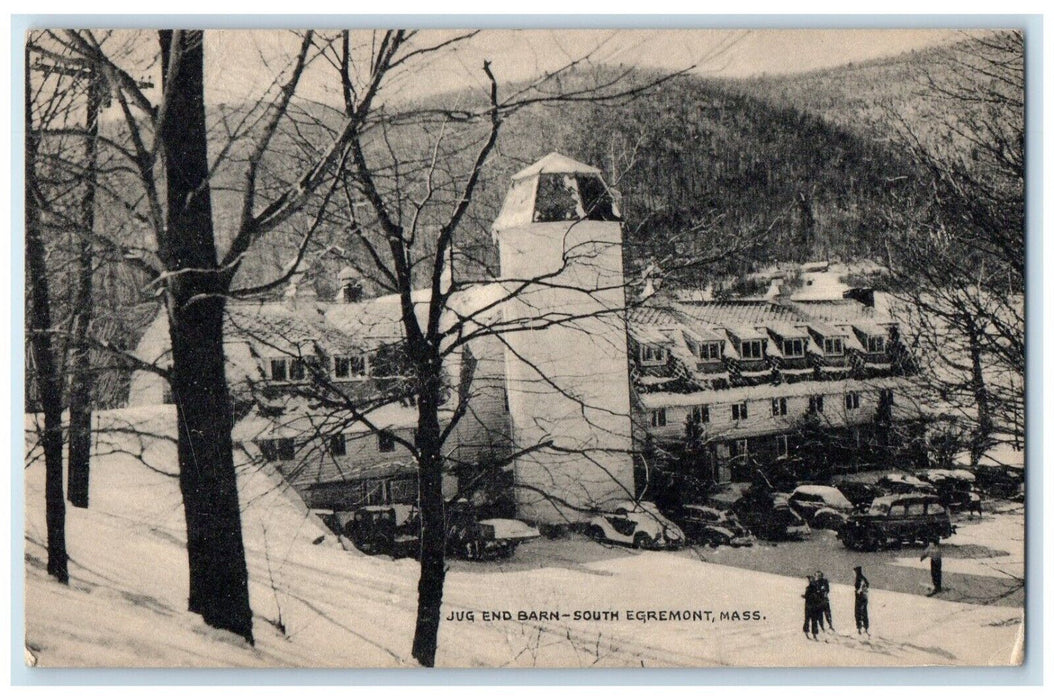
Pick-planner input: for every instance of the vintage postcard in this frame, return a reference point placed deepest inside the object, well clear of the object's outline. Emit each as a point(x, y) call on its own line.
point(524, 348)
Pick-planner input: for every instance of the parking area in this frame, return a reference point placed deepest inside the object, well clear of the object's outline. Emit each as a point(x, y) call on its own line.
point(983, 561)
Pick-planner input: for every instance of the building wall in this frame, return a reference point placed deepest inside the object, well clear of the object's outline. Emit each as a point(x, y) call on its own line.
point(568, 382)
point(760, 420)
point(484, 431)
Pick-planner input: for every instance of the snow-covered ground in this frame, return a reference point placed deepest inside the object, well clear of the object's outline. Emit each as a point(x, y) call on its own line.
point(126, 602)
point(988, 546)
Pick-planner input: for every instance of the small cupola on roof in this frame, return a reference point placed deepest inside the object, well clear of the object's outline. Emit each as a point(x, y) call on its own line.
point(350, 285)
point(557, 188)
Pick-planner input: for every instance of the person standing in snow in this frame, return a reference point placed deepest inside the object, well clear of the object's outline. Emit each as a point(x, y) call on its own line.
point(933, 553)
point(823, 587)
point(813, 612)
point(861, 589)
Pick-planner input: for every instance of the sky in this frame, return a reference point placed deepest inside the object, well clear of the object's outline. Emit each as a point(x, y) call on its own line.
point(237, 58)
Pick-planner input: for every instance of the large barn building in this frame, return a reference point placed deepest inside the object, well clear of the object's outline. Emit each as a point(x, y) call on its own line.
point(576, 394)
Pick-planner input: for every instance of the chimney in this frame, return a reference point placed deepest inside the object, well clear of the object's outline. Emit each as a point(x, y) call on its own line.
point(350, 285)
point(298, 289)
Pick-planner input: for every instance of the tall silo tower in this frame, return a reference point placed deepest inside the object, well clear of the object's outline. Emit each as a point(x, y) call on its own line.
point(559, 236)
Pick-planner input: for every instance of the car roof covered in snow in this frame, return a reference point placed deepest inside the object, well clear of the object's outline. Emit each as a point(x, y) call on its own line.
point(829, 494)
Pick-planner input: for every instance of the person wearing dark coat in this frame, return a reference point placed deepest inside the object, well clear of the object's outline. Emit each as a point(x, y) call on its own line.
point(813, 609)
point(933, 553)
point(824, 588)
point(861, 589)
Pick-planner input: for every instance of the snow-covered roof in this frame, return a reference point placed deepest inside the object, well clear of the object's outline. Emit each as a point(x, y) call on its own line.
point(555, 163)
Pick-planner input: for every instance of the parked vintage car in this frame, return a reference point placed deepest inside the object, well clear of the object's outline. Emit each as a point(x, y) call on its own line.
point(392, 529)
point(895, 520)
point(636, 523)
point(770, 516)
point(858, 493)
point(1000, 481)
point(490, 538)
point(955, 491)
point(823, 507)
point(896, 482)
point(713, 526)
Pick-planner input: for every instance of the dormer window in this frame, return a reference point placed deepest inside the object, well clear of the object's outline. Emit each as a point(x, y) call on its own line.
point(751, 350)
point(651, 354)
point(297, 369)
point(794, 347)
point(876, 343)
point(707, 352)
point(347, 366)
point(833, 346)
point(279, 369)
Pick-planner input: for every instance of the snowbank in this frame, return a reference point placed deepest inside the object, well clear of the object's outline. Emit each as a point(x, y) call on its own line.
point(126, 602)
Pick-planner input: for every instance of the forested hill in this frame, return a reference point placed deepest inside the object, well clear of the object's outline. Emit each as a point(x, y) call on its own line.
point(708, 154)
point(861, 97)
point(727, 159)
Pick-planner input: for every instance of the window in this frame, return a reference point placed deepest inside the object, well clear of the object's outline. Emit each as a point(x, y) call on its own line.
point(278, 370)
point(385, 442)
point(297, 369)
point(815, 404)
point(338, 445)
point(782, 449)
point(280, 449)
point(779, 407)
point(885, 397)
point(832, 346)
point(852, 400)
point(708, 352)
point(794, 348)
point(373, 492)
point(934, 508)
point(739, 448)
point(652, 354)
point(916, 508)
point(701, 414)
point(658, 418)
point(341, 367)
point(402, 490)
point(167, 397)
point(739, 411)
point(876, 343)
point(897, 510)
point(750, 349)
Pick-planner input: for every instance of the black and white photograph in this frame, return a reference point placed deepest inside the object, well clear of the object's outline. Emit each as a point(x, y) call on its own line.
point(523, 348)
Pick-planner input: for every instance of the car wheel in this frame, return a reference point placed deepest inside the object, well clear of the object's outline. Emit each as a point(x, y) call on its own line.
point(596, 532)
point(642, 540)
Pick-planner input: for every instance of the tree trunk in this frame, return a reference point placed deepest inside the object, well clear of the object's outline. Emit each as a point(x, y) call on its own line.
point(48, 385)
point(433, 519)
point(219, 589)
point(79, 448)
point(983, 429)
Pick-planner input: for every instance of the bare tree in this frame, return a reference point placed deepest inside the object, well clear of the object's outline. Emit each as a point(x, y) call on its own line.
point(49, 385)
point(959, 263)
point(185, 260)
point(406, 191)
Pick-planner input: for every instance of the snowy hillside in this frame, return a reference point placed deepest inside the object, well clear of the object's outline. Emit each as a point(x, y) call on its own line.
point(125, 605)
